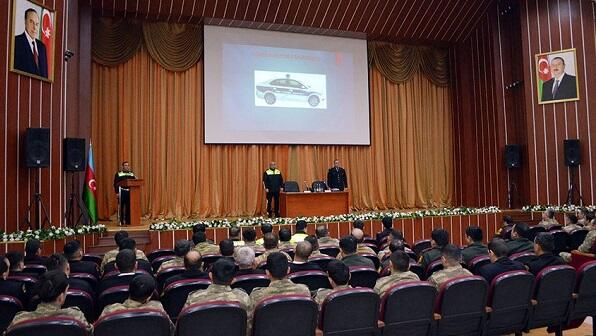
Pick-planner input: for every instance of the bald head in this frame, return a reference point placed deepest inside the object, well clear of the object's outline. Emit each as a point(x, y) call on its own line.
point(193, 261)
point(303, 251)
point(358, 235)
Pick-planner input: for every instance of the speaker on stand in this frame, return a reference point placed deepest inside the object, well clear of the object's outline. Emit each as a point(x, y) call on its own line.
point(573, 161)
point(74, 162)
point(512, 160)
point(37, 155)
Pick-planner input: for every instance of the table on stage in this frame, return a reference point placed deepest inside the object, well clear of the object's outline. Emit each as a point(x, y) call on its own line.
point(294, 204)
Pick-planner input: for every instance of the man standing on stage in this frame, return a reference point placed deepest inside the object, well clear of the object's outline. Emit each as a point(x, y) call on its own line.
point(336, 177)
point(123, 193)
point(273, 183)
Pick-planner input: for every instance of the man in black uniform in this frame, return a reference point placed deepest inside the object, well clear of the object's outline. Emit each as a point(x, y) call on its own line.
point(273, 183)
point(122, 193)
point(336, 177)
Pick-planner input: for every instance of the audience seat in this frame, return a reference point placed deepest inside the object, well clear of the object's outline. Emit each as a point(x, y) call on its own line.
point(291, 186)
point(35, 269)
point(91, 279)
point(329, 250)
point(461, 306)
point(213, 318)
point(291, 315)
point(29, 281)
point(576, 238)
point(420, 246)
point(414, 318)
point(313, 279)
point(117, 294)
point(9, 306)
point(350, 311)
point(434, 266)
point(523, 257)
point(373, 257)
point(58, 325)
point(289, 251)
point(561, 239)
point(166, 274)
point(156, 263)
point(578, 259)
point(133, 322)
point(322, 261)
point(208, 260)
point(509, 302)
point(83, 300)
point(175, 294)
point(475, 264)
point(93, 258)
point(554, 227)
point(142, 264)
point(584, 297)
point(533, 231)
point(160, 253)
point(362, 276)
point(249, 282)
point(417, 269)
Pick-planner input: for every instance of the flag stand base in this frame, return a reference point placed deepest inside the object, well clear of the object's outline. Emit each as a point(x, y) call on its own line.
point(74, 201)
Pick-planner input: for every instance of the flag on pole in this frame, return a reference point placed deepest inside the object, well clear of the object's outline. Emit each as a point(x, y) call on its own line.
point(543, 73)
point(89, 196)
point(47, 33)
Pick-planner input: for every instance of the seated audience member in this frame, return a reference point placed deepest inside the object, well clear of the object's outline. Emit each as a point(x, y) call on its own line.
point(323, 236)
point(221, 275)
point(359, 224)
point(201, 228)
point(277, 270)
point(130, 244)
point(202, 245)
point(400, 272)
point(17, 264)
point(548, 218)
point(301, 255)
point(583, 217)
point(52, 293)
point(265, 229)
point(59, 262)
point(110, 256)
point(500, 263)
point(234, 235)
point(587, 245)
point(438, 239)
point(314, 242)
point(270, 243)
point(358, 234)
point(571, 223)
point(226, 249)
point(300, 233)
point(12, 288)
point(475, 246)
point(285, 237)
point(181, 248)
point(350, 257)
point(126, 265)
point(394, 245)
point(544, 244)
point(33, 253)
point(249, 235)
point(387, 229)
point(193, 269)
point(339, 277)
point(506, 226)
point(140, 290)
point(245, 259)
point(519, 241)
point(451, 258)
point(74, 254)
point(393, 235)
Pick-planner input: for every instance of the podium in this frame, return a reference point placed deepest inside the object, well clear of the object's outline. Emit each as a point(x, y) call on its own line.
point(134, 185)
point(293, 204)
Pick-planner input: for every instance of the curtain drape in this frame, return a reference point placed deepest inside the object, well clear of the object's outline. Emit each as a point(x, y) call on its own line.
point(154, 118)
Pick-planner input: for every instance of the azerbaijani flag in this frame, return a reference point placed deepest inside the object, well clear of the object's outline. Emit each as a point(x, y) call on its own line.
point(47, 34)
point(90, 187)
point(543, 73)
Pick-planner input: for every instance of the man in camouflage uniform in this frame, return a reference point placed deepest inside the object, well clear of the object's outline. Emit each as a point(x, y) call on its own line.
point(111, 255)
point(270, 243)
point(277, 270)
point(52, 292)
point(548, 218)
point(249, 236)
point(202, 245)
point(571, 223)
point(181, 248)
point(339, 276)
point(400, 272)
point(324, 239)
point(314, 242)
point(587, 246)
point(451, 256)
point(475, 246)
point(285, 237)
point(439, 238)
point(222, 273)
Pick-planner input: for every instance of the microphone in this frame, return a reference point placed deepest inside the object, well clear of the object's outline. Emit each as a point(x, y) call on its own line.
point(306, 186)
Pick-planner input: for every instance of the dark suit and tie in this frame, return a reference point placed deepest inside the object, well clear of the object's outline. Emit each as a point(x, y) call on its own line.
point(557, 89)
point(29, 59)
point(336, 178)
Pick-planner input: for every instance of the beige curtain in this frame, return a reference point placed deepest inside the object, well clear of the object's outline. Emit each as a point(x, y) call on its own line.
point(154, 118)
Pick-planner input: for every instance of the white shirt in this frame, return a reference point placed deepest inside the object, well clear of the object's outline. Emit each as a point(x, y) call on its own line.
point(32, 43)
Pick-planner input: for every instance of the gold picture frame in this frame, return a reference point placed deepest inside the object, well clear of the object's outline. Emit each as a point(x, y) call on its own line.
point(556, 76)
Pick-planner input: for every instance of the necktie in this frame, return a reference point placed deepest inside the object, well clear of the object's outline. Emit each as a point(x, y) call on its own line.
point(35, 54)
point(555, 88)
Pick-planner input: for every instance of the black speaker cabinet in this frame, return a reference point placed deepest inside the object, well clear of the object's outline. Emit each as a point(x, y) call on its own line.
point(513, 156)
point(74, 154)
point(37, 148)
point(572, 152)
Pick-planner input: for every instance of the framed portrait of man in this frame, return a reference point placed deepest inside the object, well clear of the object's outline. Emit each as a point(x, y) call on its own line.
point(557, 76)
point(33, 39)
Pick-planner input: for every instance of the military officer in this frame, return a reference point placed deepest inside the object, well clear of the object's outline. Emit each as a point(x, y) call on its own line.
point(451, 257)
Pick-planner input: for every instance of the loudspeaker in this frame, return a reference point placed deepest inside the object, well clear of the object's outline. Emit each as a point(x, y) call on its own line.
point(572, 152)
point(74, 154)
point(513, 156)
point(37, 148)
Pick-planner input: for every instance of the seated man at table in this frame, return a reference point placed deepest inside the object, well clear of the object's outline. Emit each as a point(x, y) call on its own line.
point(339, 277)
point(400, 272)
point(451, 258)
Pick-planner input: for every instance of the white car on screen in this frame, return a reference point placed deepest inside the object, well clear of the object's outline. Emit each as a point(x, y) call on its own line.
point(287, 89)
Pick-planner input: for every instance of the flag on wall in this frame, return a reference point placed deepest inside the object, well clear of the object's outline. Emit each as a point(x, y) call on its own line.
point(543, 73)
point(89, 195)
point(47, 31)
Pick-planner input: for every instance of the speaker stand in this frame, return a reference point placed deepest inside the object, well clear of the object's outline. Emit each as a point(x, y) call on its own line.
point(75, 201)
point(573, 189)
point(37, 202)
point(510, 189)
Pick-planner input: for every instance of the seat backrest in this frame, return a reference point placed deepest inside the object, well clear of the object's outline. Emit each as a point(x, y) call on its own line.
point(322, 261)
point(329, 250)
point(176, 293)
point(250, 281)
point(461, 303)
point(133, 322)
point(561, 239)
point(554, 227)
point(116, 294)
point(414, 318)
point(90, 278)
point(417, 269)
point(534, 231)
point(585, 303)
point(160, 253)
point(214, 318)
point(361, 276)
point(313, 279)
point(372, 257)
point(285, 315)
point(420, 246)
point(28, 280)
point(167, 273)
point(55, 325)
point(523, 257)
point(291, 186)
point(81, 299)
point(350, 310)
point(434, 266)
point(475, 264)
point(35, 269)
point(156, 263)
point(509, 298)
point(209, 259)
point(553, 289)
point(576, 238)
point(289, 251)
point(318, 186)
point(92, 258)
point(9, 306)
